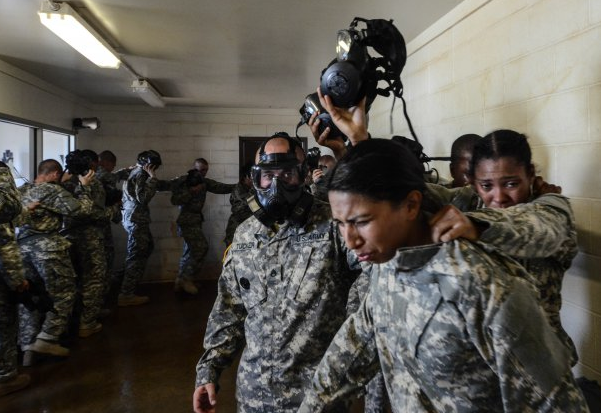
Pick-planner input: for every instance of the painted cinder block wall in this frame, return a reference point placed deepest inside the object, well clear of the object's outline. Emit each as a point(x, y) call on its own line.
point(533, 66)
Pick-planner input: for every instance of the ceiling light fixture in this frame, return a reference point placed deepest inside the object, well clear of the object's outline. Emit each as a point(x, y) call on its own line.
point(148, 93)
point(69, 26)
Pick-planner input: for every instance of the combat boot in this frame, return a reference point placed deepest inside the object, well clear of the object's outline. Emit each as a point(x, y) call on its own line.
point(48, 347)
point(17, 383)
point(185, 285)
point(87, 330)
point(128, 300)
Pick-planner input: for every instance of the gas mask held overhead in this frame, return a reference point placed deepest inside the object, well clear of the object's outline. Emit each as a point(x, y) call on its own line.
point(278, 179)
point(355, 74)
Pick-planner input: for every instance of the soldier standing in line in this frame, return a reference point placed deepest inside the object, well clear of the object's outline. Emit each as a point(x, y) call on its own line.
point(190, 194)
point(87, 241)
point(46, 254)
point(282, 292)
point(239, 202)
point(110, 180)
point(12, 279)
point(139, 189)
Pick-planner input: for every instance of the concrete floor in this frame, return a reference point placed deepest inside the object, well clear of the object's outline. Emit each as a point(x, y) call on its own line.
point(143, 361)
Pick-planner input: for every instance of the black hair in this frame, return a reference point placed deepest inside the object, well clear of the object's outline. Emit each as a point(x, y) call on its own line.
point(378, 169)
point(201, 160)
point(464, 143)
point(107, 156)
point(502, 143)
point(48, 166)
point(90, 154)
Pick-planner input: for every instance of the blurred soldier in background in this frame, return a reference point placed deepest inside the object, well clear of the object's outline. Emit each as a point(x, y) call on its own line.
point(239, 202)
point(46, 254)
point(12, 279)
point(190, 194)
point(87, 241)
point(139, 189)
point(110, 180)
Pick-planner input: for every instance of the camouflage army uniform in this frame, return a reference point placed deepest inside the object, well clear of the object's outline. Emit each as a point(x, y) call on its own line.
point(87, 249)
point(109, 181)
point(240, 210)
point(281, 299)
point(138, 191)
point(541, 235)
point(46, 253)
point(11, 275)
point(445, 324)
point(464, 198)
point(375, 397)
point(435, 197)
point(189, 223)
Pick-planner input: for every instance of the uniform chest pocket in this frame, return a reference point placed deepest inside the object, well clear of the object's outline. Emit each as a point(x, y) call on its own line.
point(308, 280)
point(252, 289)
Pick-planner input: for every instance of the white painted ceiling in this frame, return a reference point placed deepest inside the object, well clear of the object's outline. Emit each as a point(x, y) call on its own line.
point(221, 53)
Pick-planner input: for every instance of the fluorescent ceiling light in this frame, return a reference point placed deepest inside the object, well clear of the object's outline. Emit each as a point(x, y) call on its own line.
point(148, 93)
point(74, 30)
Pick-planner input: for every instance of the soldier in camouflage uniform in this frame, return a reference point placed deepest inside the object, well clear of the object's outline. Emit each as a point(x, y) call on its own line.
point(190, 195)
point(110, 180)
point(282, 291)
point(46, 254)
point(239, 202)
point(11, 279)
point(87, 250)
point(443, 322)
point(139, 189)
point(539, 233)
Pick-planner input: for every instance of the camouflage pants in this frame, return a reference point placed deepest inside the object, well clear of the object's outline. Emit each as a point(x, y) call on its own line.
point(8, 335)
point(196, 247)
point(87, 255)
point(139, 247)
point(57, 272)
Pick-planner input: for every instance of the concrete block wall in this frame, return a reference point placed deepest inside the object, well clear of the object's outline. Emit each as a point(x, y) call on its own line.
point(533, 66)
point(180, 135)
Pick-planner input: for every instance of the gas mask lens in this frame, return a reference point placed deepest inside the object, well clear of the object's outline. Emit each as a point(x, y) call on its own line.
point(343, 46)
point(287, 176)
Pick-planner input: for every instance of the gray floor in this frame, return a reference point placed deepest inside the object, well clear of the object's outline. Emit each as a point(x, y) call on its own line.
point(141, 362)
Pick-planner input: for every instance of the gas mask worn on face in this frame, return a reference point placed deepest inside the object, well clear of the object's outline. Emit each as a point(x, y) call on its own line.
point(279, 198)
point(278, 179)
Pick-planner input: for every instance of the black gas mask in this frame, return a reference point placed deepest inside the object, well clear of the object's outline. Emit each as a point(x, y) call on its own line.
point(311, 106)
point(278, 179)
point(77, 163)
point(149, 157)
point(354, 74)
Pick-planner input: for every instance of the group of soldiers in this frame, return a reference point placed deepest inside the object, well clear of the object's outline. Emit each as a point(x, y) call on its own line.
point(374, 294)
point(57, 249)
